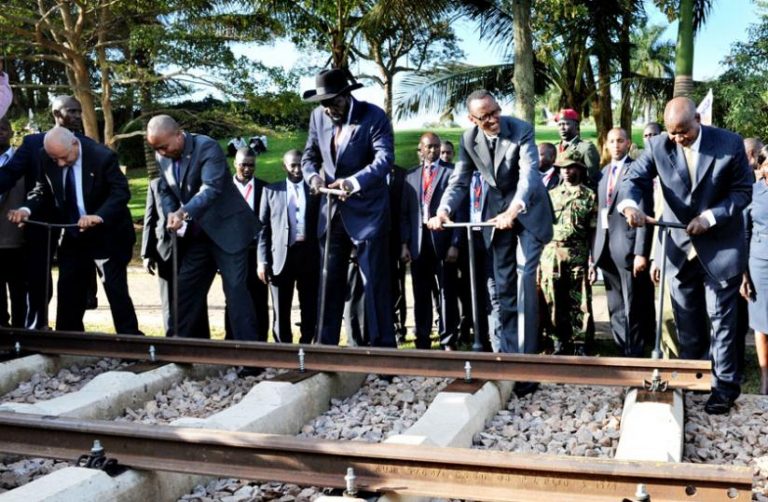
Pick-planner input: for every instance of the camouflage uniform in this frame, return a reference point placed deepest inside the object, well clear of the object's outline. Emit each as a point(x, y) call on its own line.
point(565, 264)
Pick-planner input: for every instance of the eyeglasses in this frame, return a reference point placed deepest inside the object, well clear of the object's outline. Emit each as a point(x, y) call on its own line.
point(488, 116)
point(648, 135)
point(247, 164)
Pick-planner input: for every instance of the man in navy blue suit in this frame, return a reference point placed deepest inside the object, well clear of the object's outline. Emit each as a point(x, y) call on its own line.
point(706, 182)
point(352, 142)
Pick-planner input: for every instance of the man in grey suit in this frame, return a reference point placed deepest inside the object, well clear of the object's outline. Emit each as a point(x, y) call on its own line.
point(201, 203)
point(707, 183)
point(288, 254)
point(622, 253)
point(502, 149)
point(352, 142)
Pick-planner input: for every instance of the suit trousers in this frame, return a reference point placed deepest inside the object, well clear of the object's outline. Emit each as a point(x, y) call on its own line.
point(75, 264)
point(299, 271)
point(38, 270)
point(12, 266)
point(501, 281)
point(528, 257)
point(426, 270)
point(372, 259)
point(200, 258)
point(354, 308)
point(697, 299)
point(259, 294)
point(630, 307)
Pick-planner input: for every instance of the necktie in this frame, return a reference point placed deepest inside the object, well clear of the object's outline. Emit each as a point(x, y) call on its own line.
point(430, 171)
point(690, 160)
point(611, 184)
point(177, 171)
point(475, 195)
point(70, 200)
point(492, 148)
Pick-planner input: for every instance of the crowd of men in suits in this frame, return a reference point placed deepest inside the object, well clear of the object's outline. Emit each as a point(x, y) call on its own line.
point(551, 216)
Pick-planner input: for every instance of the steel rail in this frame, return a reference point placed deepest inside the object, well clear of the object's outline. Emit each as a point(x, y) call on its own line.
point(402, 469)
point(609, 371)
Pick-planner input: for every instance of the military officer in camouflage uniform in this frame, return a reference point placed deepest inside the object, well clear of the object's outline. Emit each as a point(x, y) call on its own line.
point(565, 261)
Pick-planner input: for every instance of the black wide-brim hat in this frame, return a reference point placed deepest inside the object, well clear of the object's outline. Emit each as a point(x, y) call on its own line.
point(330, 83)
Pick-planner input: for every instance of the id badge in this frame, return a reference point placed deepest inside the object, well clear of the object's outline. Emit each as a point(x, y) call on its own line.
point(604, 218)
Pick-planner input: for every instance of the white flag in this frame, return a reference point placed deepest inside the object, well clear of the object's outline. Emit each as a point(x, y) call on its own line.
point(705, 109)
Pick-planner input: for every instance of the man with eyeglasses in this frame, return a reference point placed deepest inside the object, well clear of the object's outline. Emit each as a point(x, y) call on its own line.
point(288, 252)
point(216, 226)
point(511, 195)
point(350, 147)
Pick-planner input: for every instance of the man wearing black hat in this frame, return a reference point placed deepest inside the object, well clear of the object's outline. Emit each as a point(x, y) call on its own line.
point(352, 142)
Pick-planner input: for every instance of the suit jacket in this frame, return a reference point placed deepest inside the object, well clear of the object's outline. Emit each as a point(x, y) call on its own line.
point(723, 186)
point(513, 174)
point(275, 229)
point(619, 242)
point(208, 194)
point(411, 212)
point(366, 153)
point(757, 222)
point(105, 193)
point(155, 239)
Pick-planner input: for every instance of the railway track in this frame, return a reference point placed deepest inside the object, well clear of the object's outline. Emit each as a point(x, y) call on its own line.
point(387, 468)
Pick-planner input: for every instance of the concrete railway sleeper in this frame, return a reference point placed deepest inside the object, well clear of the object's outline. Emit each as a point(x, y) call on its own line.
point(402, 469)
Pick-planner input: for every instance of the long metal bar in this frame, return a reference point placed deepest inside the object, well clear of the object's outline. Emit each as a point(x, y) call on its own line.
point(611, 371)
point(401, 469)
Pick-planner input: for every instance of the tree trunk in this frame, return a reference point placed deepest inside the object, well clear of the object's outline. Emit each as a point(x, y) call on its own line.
point(522, 79)
point(626, 72)
point(106, 83)
point(604, 113)
point(684, 51)
point(82, 88)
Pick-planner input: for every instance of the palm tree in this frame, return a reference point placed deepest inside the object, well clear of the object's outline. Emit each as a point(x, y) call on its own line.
point(651, 60)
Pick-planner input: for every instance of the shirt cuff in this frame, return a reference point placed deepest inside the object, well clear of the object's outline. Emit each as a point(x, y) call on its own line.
point(25, 208)
point(625, 204)
point(447, 210)
point(710, 217)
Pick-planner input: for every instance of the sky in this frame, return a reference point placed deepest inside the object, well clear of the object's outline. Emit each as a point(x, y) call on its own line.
point(727, 23)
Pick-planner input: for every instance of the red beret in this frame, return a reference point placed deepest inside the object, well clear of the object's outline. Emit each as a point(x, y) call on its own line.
point(568, 114)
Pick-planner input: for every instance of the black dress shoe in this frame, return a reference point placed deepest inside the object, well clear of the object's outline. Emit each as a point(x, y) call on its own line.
point(717, 404)
point(522, 389)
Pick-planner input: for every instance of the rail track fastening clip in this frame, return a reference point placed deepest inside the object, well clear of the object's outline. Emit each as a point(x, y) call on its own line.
point(97, 459)
point(655, 384)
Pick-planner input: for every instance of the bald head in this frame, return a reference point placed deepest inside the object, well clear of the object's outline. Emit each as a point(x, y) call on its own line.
point(67, 112)
point(682, 121)
point(62, 146)
point(752, 147)
point(429, 147)
point(165, 136)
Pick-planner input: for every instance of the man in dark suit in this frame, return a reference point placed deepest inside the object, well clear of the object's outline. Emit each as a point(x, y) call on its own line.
point(83, 181)
point(251, 188)
point(432, 254)
point(156, 254)
point(352, 142)
point(201, 202)
point(502, 149)
point(623, 254)
point(707, 183)
point(67, 113)
point(288, 249)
